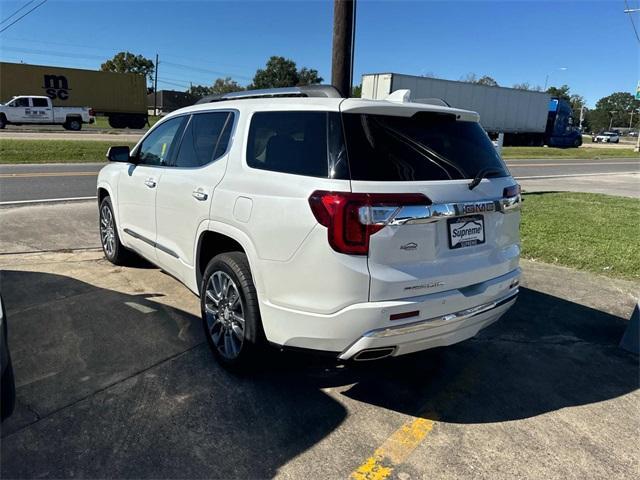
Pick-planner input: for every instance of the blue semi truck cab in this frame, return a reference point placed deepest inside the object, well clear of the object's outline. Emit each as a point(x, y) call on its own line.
point(560, 131)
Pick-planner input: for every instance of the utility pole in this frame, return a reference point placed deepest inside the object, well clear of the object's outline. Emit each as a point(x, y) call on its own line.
point(343, 41)
point(612, 113)
point(155, 89)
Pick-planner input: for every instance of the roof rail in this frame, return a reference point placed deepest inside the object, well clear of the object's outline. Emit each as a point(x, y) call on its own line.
point(326, 91)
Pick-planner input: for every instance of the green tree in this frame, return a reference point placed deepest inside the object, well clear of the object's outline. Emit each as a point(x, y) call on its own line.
point(622, 103)
point(527, 86)
point(282, 72)
point(225, 85)
point(484, 80)
point(356, 91)
point(308, 76)
point(200, 90)
point(560, 92)
point(127, 62)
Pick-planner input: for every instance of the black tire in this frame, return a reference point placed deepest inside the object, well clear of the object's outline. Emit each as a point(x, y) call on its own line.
point(73, 124)
point(117, 121)
point(116, 253)
point(8, 397)
point(236, 266)
point(136, 121)
point(577, 142)
point(3, 122)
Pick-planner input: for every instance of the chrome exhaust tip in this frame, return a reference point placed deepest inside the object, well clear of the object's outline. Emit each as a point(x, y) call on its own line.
point(373, 354)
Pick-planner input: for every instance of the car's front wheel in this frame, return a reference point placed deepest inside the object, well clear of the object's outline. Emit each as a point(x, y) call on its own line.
point(113, 250)
point(230, 312)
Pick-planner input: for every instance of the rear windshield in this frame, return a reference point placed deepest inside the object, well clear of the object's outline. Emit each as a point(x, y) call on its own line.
point(427, 146)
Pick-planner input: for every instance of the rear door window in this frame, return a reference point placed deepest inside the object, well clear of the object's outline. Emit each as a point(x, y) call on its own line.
point(426, 146)
point(205, 139)
point(299, 143)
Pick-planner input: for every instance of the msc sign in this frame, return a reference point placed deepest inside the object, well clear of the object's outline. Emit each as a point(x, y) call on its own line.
point(56, 86)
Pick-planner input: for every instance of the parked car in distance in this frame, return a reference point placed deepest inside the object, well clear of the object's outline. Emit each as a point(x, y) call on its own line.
point(606, 137)
point(37, 110)
point(363, 228)
point(8, 392)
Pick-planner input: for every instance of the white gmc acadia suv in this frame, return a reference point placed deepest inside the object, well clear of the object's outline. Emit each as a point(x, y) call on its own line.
point(302, 219)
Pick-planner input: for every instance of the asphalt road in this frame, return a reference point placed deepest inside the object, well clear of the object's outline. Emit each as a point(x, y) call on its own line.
point(61, 181)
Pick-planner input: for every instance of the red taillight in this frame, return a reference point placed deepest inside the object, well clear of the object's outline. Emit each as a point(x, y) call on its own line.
point(351, 218)
point(511, 191)
point(92, 113)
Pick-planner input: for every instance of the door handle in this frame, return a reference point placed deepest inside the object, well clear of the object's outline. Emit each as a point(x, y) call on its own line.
point(150, 182)
point(199, 195)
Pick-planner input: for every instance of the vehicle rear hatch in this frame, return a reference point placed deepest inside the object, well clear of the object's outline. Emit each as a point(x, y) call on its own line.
point(452, 238)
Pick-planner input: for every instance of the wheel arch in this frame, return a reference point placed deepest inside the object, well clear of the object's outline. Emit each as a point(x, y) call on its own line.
point(221, 238)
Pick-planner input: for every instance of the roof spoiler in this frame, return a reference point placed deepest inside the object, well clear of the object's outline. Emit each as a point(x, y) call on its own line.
point(324, 91)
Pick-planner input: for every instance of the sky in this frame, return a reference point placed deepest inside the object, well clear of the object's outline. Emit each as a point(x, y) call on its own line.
point(589, 45)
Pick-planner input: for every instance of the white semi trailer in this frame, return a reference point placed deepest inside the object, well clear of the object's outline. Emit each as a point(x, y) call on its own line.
point(525, 117)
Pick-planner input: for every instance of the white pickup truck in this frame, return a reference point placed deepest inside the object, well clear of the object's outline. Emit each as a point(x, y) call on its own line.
point(40, 111)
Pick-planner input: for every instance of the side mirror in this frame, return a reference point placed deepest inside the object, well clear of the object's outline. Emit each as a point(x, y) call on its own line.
point(118, 154)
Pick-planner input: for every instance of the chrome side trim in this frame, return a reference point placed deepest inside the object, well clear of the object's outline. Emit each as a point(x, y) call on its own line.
point(424, 324)
point(415, 214)
point(151, 242)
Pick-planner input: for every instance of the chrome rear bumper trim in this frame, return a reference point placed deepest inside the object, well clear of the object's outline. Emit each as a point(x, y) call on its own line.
point(425, 324)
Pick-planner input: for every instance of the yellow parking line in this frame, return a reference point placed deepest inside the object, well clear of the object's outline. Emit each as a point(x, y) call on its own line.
point(48, 174)
point(395, 450)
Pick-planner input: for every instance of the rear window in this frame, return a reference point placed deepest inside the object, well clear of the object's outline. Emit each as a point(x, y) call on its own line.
point(426, 146)
point(299, 143)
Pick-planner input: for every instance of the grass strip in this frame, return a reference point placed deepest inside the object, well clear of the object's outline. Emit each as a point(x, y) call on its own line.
point(588, 231)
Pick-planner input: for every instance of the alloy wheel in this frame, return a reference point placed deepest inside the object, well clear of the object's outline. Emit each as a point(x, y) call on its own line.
point(107, 231)
point(224, 314)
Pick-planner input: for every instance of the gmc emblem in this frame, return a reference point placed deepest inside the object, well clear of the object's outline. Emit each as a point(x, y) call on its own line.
point(479, 207)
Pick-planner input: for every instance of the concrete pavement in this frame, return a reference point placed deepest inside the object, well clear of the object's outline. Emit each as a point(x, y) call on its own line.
point(115, 380)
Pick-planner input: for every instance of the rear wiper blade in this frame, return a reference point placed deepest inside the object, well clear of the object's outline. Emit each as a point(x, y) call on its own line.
point(482, 174)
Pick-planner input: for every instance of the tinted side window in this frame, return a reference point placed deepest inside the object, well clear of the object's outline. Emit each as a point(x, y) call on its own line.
point(40, 102)
point(22, 102)
point(205, 139)
point(297, 143)
point(156, 148)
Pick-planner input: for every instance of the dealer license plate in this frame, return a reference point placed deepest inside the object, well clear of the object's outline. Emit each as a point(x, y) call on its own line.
point(466, 231)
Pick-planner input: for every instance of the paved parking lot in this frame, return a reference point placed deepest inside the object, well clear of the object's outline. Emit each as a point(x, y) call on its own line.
point(115, 380)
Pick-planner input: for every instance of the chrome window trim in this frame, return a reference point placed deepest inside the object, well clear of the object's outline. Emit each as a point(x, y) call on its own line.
point(236, 115)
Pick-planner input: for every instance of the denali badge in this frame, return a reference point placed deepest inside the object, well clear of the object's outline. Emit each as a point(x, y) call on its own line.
point(425, 285)
point(409, 246)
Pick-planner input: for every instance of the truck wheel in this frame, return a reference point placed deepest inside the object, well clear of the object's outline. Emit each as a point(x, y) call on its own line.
point(137, 121)
point(577, 142)
point(230, 313)
point(74, 124)
point(3, 122)
point(116, 121)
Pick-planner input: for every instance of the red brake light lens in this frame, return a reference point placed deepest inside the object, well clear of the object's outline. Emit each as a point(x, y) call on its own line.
point(351, 218)
point(511, 191)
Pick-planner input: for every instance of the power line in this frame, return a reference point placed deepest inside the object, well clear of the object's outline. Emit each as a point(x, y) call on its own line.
point(23, 15)
point(205, 70)
point(18, 10)
point(631, 20)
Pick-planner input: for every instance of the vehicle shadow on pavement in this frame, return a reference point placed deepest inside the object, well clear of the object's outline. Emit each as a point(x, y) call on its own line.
point(120, 385)
point(117, 385)
point(545, 354)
